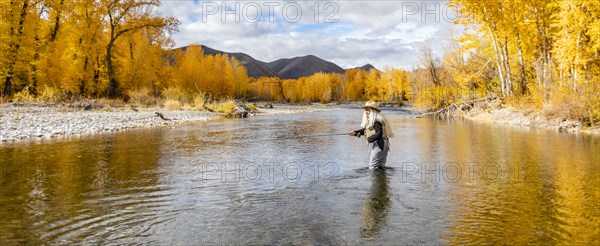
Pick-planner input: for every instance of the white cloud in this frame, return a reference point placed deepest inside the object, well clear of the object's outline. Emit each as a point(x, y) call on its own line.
point(383, 33)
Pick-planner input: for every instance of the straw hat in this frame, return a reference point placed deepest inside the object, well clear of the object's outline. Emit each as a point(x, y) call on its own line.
point(371, 104)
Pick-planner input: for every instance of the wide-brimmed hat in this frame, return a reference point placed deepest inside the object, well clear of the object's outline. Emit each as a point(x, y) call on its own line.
point(371, 104)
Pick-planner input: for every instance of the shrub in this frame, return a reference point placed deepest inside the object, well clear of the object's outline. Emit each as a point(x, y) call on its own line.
point(224, 106)
point(24, 96)
point(141, 97)
point(252, 106)
point(172, 104)
point(593, 110)
point(176, 94)
point(199, 101)
point(50, 95)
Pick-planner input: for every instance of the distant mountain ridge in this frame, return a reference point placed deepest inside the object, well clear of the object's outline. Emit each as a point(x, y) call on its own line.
point(367, 67)
point(286, 68)
point(303, 66)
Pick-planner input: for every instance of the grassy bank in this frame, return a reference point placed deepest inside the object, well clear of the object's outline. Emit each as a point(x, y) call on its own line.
point(172, 99)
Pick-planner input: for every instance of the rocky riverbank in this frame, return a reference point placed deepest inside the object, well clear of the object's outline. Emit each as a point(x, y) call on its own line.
point(33, 121)
point(530, 118)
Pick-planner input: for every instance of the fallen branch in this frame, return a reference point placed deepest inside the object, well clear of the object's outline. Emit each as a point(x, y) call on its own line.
point(453, 109)
point(389, 104)
point(207, 108)
point(243, 99)
point(162, 116)
point(267, 105)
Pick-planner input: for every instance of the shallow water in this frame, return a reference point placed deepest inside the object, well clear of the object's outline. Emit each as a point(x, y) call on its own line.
point(270, 180)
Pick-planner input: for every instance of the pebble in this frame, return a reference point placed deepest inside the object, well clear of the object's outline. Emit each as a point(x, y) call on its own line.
point(24, 122)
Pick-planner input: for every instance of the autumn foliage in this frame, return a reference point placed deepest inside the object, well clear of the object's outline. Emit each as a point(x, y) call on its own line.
point(83, 48)
point(539, 53)
point(542, 53)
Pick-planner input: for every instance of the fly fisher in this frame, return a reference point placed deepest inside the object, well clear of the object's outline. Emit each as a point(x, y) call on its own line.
point(377, 131)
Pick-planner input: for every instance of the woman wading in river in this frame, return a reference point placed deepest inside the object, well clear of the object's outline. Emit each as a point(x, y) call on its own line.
point(377, 130)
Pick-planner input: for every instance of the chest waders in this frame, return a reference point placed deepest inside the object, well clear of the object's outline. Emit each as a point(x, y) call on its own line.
point(377, 155)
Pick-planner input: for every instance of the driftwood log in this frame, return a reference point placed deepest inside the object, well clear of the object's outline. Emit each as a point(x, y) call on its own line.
point(267, 105)
point(162, 116)
point(252, 99)
point(456, 108)
point(207, 109)
point(86, 105)
point(240, 110)
point(389, 104)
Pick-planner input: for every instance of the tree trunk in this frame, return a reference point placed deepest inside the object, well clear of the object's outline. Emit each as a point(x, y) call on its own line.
point(507, 68)
point(38, 46)
point(82, 79)
point(85, 83)
point(96, 78)
point(54, 30)
point(131, 49)
point(499, 61)
point(523, 82)
point(545, 76)
point(14, 46)
point(112, 81)
point(34, 67)
point(498, 50)
point(548, 72)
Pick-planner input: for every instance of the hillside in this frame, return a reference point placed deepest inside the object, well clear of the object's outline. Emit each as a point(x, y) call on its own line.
point(294, 68)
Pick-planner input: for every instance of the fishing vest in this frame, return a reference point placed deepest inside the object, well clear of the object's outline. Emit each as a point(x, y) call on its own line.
point(370, 131)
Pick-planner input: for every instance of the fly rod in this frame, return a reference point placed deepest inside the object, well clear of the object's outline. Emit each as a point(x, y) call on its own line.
point(298, 137)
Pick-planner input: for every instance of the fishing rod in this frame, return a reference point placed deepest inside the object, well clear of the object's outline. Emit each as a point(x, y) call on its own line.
point(298, 137)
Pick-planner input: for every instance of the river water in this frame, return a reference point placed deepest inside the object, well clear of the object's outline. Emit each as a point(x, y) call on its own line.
point(277, 180)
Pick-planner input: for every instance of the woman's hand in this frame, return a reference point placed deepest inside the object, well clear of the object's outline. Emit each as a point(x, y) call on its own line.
point(366, 142)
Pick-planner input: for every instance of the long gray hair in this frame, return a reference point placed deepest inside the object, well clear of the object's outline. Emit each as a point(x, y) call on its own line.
point(370, 120)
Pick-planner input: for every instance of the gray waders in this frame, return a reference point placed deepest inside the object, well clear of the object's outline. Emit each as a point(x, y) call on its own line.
point(378, 156)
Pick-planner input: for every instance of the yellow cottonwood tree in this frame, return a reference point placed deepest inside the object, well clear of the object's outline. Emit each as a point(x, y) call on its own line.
point(129, 16)
point(545, 52)
point(20, 26)
point(372, 86)
point(218, 75)
point(355, 84)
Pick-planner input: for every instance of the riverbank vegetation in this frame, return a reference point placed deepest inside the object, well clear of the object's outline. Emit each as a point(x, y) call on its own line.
point(540, 55)
point(543, 55)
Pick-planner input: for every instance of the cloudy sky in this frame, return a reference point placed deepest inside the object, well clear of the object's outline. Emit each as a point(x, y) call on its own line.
point(350, 33)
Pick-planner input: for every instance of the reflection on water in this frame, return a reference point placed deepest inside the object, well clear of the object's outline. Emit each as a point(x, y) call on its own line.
point(377, 205)
point(250, 181)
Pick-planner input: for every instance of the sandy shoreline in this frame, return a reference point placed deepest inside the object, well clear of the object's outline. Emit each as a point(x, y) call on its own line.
point(21, 122)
